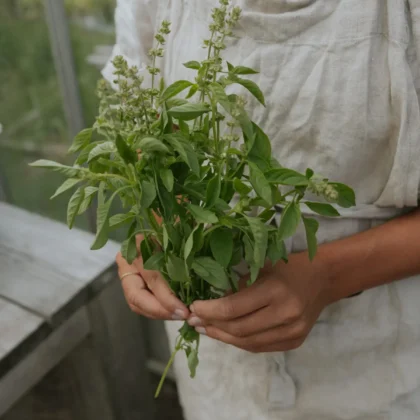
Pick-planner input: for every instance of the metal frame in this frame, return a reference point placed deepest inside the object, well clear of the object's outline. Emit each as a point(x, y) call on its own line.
point(64, 62)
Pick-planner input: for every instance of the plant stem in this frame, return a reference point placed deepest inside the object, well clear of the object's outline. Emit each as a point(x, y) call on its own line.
point(178, 347)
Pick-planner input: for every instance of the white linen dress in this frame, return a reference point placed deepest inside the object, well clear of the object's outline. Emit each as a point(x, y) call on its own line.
point(341, 79)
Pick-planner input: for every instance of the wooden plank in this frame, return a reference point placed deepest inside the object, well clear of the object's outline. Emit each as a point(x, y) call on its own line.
point(47, 355)
point(48, 269)
point(20, 332)
point(120, 344)
point(52, 242)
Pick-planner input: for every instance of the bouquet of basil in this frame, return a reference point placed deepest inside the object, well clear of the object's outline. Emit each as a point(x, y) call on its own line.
point(178, 159)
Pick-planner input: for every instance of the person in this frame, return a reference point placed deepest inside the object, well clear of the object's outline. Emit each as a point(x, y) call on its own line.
point(342, 81)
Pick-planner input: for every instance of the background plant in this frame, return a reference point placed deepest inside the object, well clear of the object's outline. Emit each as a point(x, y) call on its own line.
point(179, 159)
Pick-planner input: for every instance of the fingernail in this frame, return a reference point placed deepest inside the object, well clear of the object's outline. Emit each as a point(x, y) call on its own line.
point(179, 315)
point(194, 321)
point(201, 330)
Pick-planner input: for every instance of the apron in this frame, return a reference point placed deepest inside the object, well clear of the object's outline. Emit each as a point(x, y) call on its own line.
point(341, 79)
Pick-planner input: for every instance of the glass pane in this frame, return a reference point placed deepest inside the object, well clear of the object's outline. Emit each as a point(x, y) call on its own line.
point(92, 36)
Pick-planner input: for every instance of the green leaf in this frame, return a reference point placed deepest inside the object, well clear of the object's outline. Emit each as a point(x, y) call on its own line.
point(262, 145)
point(188, 111)
point(173, 102)
point(213, 191)
point(284, 176)
point(311, 228)
point(231, 67)
point(260, 234)
point(202, 215)
point(167, 177)
point(148, 194)
point(102, 218)
point(244, 70)
point(129, 249)
point(70, 183)
point(151, 144)
point(155, 262)
point(101, 149)
point(165, 238)
point(212, 272)
point(87, 201)
point(221, 245)
point(193, 362)
point(276, 251)
point(176, 270)
point(145, 250)
point(174, 89)
point(192, 91)
point(185, 151)
point(246, 125)
point(74, 205)
point(128, 155)
point(119, 220)
point(309, 173)
point(195, 65)
point(241, 188)
point(189, 245)
point(69, 171)
point(323, 209)
point(184, 127)
point(289, 221)
point(252, 87)
point(260, 183)
point(219, 95)
point(81, 140)
point(346, 196)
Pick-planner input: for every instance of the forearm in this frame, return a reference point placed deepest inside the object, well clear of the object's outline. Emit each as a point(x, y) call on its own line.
point(381, 255)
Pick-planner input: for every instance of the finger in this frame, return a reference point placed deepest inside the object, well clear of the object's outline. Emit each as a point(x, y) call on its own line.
point(264, 339)
point(141, 301)
point(262, 320)
point(278, 347)
point(165, 296)
point(233, 306)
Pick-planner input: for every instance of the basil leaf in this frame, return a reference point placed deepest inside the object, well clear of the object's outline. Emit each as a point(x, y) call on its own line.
point(212, 272)
point(241, 188)
point(87, 201)
point(174, 89)
point(101, 149)
point(69, 171)
point(177, 270)
point(155, 262)
point(193, 362)
point(68, 184)
point(260, 234)
point(81, 140)
point(151, 144)
point(244, 70)
point(323, 209)
point(220, 96)
point(128, 155)
point(188, 111)
point(129, 249)
point(202, 215)
point(289, 221)
point(221, 245)
point(346, 196)
point(251, 86)
point(311, 228)
point(276, 251)
point(260, 183)
point(285, 176)
point(119, 220)
point(167, 177)
point(213, 191)
point(185, 151)
point(261, 148)
point(192, 91)
point(195, 65)
point(148, 194)
point(74, 205)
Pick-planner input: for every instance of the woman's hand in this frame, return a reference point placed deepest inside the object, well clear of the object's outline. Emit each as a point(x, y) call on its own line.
point(147, 293)
point(275, 314)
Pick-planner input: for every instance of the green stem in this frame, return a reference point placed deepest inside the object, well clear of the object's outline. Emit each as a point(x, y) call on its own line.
point(178, 347)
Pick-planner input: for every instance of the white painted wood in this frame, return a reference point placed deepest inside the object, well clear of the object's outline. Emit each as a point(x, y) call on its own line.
point(48, 354)
point(53, 243)
point(16, 325)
